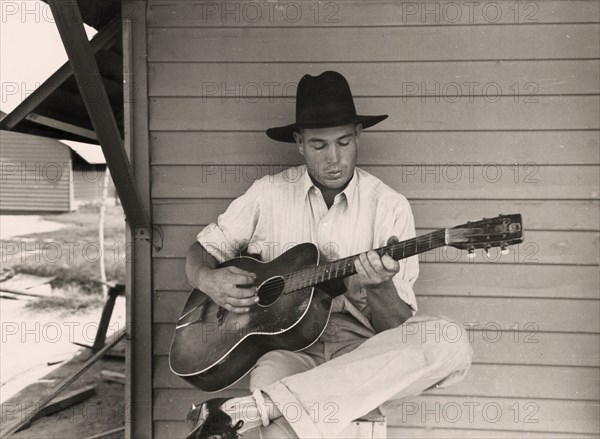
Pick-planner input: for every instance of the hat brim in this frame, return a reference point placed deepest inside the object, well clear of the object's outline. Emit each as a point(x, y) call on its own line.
point(286, 133)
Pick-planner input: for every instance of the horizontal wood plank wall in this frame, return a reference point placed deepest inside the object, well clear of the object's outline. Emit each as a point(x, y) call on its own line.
point(493, 109)
point(88, 184)
point(35, 174)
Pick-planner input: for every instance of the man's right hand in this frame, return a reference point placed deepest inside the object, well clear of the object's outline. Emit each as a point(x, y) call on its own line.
point(222, 286)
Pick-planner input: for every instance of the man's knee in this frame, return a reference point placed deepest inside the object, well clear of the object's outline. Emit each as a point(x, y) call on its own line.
point(445, 337)
point(460, 337)
point(265, 372)
point(453, 340)
point(276, 365)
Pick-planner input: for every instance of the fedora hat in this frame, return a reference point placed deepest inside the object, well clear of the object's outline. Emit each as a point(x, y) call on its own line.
point(323, 101)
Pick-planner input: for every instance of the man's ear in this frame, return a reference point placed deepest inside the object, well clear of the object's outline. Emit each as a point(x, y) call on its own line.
point(299, 142)
point(358, 129)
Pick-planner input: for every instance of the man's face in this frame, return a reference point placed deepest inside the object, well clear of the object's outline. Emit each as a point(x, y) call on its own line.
point(330, 153)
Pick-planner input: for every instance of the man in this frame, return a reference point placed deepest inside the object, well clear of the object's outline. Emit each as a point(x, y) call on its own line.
point(366, 358)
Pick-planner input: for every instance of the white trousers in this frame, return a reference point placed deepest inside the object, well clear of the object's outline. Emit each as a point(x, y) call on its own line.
point(351, 370)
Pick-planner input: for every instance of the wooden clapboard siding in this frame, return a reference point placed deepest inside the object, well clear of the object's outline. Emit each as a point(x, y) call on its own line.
point(490, 346)
point(35, 174)
point(173, 13)
point(576, 416)
point(456, 181)
point(177, 430)
point(539, 215)
point(526, 316)
point(252, 80)
point(216, 82)
point(503, 381)
point(455, 433)
point(450, 279)
point(384, 148)
point(374, 44)
point(88, 183)
point(483, 113)
point(579, 248)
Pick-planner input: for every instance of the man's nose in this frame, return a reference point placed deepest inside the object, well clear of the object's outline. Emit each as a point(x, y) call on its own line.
point(333, 154)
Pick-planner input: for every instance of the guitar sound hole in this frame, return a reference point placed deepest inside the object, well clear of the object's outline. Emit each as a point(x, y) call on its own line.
point(270, 291)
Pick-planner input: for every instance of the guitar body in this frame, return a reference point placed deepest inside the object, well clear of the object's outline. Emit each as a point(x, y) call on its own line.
point(213, 348)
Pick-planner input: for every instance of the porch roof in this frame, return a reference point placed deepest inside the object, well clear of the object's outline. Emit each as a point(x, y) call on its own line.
point(56, 108)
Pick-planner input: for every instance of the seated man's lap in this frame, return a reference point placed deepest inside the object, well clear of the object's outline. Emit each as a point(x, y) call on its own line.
point(278, 364)
point(342, 335)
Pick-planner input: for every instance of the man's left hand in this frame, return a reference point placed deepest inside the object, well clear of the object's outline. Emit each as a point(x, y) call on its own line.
point(373, 270)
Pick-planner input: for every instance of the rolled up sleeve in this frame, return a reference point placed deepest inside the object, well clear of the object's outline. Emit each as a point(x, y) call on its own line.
point(230, 234)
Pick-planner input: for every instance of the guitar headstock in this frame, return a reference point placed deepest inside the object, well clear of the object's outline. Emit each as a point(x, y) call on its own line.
point(502, 231)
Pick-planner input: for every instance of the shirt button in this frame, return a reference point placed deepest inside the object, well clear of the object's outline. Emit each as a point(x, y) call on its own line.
point(324, 224)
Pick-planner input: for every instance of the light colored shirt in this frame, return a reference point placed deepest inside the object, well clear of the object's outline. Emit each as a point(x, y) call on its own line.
point(280, 211)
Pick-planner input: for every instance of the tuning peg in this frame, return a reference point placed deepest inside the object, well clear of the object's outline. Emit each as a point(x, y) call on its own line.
point(471, 253)
point(504, 249)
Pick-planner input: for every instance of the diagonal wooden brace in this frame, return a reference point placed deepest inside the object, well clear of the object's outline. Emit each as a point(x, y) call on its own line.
point(70, 27)
point(102, 40)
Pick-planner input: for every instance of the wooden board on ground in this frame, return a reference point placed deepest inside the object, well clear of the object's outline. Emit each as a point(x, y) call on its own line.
point(116, 377)
point(101, 412)
point(28, 285)
point(64, 401)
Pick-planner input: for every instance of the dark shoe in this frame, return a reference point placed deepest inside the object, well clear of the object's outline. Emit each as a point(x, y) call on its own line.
point(208, 421)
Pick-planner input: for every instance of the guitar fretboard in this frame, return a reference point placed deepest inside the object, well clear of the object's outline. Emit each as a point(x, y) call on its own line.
point(344, 267)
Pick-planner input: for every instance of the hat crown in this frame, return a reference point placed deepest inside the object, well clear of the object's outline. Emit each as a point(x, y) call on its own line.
point(321, 102)
point(323, 98)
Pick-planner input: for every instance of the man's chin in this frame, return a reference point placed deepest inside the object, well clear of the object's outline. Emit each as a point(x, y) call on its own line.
point(334, 182)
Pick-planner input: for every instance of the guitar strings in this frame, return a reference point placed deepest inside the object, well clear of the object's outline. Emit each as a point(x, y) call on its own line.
point(309, 276)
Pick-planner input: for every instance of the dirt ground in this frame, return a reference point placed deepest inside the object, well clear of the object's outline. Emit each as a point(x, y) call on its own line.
point(34, 339)
point(104, 411)
point(38, 351)
point(17, 225)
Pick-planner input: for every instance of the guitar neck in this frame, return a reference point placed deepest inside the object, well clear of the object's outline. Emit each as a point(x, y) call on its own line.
point(342, 268)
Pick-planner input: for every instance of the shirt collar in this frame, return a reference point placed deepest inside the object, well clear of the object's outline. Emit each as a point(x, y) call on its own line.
point(348, 192)
point(307, 183)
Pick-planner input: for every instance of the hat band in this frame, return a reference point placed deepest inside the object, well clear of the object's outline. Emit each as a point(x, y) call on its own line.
point(326, 120)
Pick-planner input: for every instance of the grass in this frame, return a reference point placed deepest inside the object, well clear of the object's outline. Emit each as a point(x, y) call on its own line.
point(72, 254)
point(70, 299)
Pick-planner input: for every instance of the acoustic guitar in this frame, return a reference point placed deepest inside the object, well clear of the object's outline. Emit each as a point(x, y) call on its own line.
point(213, 348)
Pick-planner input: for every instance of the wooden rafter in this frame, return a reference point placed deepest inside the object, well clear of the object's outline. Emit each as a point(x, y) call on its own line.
point(103, 39)
point(62, 126)
point(70, 27)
